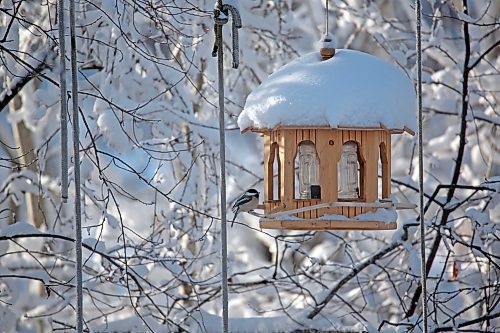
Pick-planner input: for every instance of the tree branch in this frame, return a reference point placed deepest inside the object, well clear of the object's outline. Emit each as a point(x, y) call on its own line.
point(354, 271)
point(491, 48)
point(468, 323)
point(20, 81)
point(458, 163)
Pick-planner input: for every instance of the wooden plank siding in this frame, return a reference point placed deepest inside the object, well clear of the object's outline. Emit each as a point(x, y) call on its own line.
point(288, 148)
point(268, 174)
point(389, 154)
point(370, 151)
point(373, 144)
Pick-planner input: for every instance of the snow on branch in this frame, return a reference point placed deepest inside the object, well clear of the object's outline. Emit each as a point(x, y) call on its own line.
point(31, 70)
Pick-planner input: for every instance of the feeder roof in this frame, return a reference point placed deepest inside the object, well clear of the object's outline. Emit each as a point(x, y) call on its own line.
point(352, 89)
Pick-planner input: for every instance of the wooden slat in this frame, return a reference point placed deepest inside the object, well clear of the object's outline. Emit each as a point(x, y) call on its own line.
point(324, 150)
point(314, 212)
point(362, 172)
point(359, 128)
point(385, 171)
point(345, 137)
point(300, 205)
point(352, 137)
point(287, 154)
point(276, 174)
point(337, 150)
point(409, 131)
point(268, 174)
point(359, 139)
point(282, 128)
point(270, 207)
point(327, 225)
point(328, 156)
point(389, 167)
point(277, 138)
point(364, 140)
point(312, 137)
point(312, 134)
point(386, 181)
point(305, 135)
point(370, 152)
point(298, 139)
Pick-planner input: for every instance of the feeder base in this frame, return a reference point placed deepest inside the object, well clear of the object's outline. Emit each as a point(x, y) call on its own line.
point(304, 224)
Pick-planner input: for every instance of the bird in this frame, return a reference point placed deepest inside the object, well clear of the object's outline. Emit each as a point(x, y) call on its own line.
point(247, 202)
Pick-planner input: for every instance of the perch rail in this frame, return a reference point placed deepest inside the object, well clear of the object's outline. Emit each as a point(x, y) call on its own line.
point(334, 204)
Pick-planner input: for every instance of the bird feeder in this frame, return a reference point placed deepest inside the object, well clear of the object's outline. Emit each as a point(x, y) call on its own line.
point(326, 124)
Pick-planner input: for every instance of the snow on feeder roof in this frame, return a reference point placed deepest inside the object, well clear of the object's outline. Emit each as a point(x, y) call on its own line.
point(352, 89)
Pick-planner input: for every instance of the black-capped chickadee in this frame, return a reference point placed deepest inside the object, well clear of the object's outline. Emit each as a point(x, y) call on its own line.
point(247, 202)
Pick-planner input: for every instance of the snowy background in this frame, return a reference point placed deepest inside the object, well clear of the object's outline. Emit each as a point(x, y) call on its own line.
point(149, 152)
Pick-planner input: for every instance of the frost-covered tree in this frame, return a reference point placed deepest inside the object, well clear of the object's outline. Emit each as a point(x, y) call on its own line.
point(149, 159)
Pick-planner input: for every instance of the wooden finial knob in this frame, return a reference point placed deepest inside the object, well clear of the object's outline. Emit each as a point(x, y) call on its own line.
point(327, 49)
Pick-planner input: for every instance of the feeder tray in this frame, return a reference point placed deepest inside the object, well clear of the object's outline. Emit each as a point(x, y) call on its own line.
point(287, 220)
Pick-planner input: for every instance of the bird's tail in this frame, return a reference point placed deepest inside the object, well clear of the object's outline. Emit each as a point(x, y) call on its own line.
point(234, 217)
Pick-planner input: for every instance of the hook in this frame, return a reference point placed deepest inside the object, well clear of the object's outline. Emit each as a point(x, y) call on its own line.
point(221, 18)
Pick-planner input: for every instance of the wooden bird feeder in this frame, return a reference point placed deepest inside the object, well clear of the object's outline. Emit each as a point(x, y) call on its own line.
point(325, 167)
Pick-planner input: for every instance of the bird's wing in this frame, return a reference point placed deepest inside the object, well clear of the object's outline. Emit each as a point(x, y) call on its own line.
point(241, 201)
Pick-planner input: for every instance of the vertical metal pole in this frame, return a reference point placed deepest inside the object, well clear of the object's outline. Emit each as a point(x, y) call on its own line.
point(423, 277)
point(76, 156)
point(222, 151)
point(64, 105)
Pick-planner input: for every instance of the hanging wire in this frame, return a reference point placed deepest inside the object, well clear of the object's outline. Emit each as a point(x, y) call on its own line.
point(76, 157)
point(326, 19)
point(64, 105)
point(423, 273)
point(221, 12)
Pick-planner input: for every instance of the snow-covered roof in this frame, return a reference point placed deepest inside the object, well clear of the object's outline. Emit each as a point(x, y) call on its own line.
point(352, 89)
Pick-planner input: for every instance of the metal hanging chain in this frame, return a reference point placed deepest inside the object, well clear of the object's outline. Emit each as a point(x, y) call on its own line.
point(64, 103)
point(423, 273)
point(76, 157)
point(221, 12)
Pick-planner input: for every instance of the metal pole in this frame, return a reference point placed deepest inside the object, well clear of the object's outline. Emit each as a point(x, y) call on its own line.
point(64, 105)
point(76, 156)
point(423, 273)
point(222, 151)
